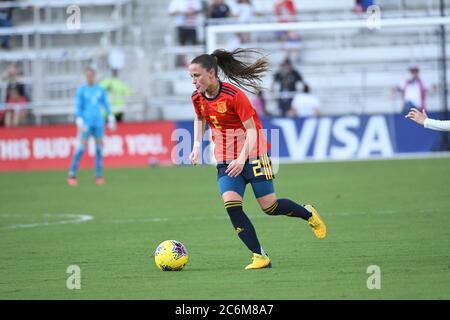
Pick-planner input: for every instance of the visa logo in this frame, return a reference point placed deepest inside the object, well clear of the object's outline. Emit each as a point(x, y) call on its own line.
point(335, 138)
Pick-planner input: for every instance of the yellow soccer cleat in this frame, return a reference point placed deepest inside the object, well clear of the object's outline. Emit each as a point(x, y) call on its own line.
point(316, 223)
point(259, 262)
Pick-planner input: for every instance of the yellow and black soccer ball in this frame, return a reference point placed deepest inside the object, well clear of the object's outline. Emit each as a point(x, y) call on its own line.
point(171, 255)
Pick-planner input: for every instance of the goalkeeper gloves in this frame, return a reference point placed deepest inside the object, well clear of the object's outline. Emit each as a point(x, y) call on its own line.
point(80, 123)
point(111, 122)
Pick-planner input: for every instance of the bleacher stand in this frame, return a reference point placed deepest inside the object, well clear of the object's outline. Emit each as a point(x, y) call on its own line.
point(351, 70)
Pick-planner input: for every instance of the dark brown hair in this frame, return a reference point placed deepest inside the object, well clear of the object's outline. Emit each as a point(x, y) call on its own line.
point(243, 74)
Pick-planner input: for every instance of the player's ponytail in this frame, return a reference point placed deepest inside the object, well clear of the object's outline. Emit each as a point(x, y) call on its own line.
point(243, 74)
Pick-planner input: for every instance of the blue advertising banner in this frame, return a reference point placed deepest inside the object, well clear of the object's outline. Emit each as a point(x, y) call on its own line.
point(332, 138)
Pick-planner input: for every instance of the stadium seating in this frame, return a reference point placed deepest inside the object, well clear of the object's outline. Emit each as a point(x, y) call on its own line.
point(351, 70)
point(52, 55)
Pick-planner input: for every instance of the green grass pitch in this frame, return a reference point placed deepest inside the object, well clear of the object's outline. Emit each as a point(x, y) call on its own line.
point(393, 214)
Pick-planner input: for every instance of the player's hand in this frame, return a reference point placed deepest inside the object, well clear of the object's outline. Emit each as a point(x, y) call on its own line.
point(417, 116)
point(235, 168)
point(111, 122)
point(194, 155)
point(80, 124)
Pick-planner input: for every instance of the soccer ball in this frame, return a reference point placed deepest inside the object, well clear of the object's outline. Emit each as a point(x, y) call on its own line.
point(171, 255)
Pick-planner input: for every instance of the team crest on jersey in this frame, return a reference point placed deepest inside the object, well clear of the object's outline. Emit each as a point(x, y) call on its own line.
point(221, 107)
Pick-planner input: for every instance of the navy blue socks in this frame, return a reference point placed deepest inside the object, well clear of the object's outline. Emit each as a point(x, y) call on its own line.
point(288, 208)
point(243, 226)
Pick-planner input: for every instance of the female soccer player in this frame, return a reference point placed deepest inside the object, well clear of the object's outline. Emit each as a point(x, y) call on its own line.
point(240, 145)
point(90, 99)
point(422, 119)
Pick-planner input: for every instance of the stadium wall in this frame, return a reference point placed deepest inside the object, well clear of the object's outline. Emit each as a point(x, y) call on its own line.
point(166, 143)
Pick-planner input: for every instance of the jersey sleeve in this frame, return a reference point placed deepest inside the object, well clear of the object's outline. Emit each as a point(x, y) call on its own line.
point(440, 125)
point(243, 107)
point(79, 107)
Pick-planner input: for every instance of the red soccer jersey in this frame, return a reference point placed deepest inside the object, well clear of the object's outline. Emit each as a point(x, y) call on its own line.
point(225, 113)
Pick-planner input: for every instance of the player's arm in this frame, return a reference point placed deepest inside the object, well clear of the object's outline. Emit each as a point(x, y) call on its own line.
point(440, 125)
point(245, 112)
point(250, 139)
point(236, 166)
point(422, 119)
point(199, 129)
point(79, 107)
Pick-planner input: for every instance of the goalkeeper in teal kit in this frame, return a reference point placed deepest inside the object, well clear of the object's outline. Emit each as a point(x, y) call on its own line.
point(90, 99)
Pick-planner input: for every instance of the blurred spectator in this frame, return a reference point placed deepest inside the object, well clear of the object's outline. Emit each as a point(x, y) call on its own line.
point(5, 22)
point(305, 104)
point(259, 103)
point(236, 40)
point(362, 5)
point(219, 10)
point(13, 77)
point(117, 91)
point(185, 13)
point(244, 11)
point(16, 107)
point(244, 14)
point(287, 77)
point(285, 10)
point(414, 91)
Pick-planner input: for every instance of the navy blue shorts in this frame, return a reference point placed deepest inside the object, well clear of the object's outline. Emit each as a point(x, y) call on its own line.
point(257, 172)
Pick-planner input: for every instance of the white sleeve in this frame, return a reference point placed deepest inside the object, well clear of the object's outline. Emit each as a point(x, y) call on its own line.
point(441, 125)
